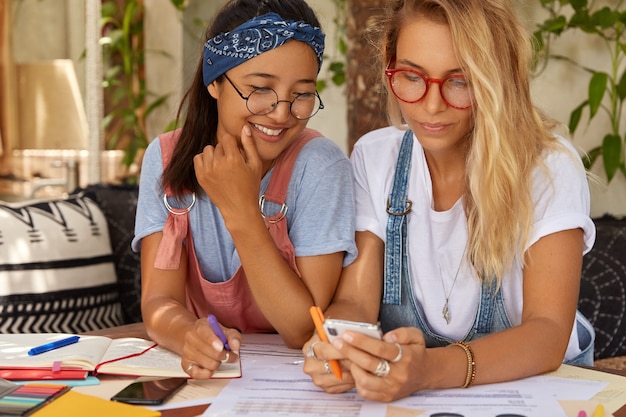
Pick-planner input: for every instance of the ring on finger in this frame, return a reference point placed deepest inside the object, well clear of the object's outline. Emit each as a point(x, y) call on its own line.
point(227, 357)
point(188, 369)
point(327, 367)
point(382, 369)
point(310, 353)
point(399, 355)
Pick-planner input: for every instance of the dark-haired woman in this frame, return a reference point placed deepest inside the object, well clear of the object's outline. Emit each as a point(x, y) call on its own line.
point(244, 213)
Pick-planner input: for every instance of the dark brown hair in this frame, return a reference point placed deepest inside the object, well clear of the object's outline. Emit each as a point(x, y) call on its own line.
point(200, 120)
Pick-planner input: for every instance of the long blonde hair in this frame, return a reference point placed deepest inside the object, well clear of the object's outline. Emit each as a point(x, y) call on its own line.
point(509, 133)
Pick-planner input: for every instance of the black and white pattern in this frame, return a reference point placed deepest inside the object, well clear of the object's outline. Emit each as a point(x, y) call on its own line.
point(56, 268)
point(119, 203)
point(603, 287)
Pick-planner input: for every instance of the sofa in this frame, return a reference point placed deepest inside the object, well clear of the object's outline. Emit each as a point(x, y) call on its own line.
point(102, 216)
point(602, 296)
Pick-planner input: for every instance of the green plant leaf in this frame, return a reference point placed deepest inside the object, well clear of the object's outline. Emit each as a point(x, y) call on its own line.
point(591, 156)
point(106, 120)
point(582, 20)
point(621, 87)
point(538, 42)
point(179, 4)
point(158, 102)
point(108, 9)
point(339, 78)
point(611, 154)
point(597, 88)
point(556, 25)
point(578, 5)
point(336, 66)
point(342, 47)
point(605, 18)
point(576, 115)
point(320, 85)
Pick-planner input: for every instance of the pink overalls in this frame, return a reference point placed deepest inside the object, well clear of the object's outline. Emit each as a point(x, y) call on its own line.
point(230, 301)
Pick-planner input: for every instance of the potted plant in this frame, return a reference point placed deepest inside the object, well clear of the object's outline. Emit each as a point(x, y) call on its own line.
point(606, 89)
point(128, 102)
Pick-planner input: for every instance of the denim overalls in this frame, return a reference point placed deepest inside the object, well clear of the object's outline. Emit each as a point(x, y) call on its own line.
point(230, 301)
point(400, 308)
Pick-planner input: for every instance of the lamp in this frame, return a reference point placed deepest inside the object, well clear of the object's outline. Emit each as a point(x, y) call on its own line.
point(50, 106)
point(52, 123)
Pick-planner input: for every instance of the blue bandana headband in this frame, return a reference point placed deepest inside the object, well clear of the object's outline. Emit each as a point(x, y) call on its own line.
point(260, 34)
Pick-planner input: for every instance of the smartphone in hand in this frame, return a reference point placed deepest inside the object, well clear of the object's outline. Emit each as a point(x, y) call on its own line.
point(334, 328)
point(152, 392)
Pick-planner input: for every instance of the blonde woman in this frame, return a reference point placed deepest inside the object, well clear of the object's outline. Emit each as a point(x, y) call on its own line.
point(472, 216)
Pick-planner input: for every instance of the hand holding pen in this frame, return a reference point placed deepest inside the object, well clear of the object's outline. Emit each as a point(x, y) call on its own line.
point(217, 329)
point(318, 320)
point(203, 352)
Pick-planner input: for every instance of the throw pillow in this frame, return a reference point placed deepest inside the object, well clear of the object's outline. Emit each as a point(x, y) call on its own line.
point(118, 202)
point(56, 270)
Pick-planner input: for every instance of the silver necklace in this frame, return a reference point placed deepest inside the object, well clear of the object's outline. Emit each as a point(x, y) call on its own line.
point(446, 311)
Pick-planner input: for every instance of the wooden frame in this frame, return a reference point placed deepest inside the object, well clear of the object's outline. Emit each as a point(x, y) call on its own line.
point(8, 114)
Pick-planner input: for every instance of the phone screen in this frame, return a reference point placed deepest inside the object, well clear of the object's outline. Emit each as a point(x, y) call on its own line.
point(334, 328)
point(152, 392)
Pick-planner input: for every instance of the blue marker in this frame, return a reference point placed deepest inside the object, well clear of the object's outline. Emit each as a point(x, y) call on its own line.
point(217, 329)
point(53, 345)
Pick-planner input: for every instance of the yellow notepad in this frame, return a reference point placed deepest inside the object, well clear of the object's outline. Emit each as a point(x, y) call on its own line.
point(74, 404)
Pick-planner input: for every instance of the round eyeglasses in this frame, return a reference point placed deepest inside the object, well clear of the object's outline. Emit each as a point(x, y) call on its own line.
point(263, 100)
point(412, 86)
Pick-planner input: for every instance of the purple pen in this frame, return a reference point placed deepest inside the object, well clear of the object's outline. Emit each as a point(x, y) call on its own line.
point(217, 329)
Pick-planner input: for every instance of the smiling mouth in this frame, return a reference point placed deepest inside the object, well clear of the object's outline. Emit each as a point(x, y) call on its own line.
point(269, 132)
point(433, 125)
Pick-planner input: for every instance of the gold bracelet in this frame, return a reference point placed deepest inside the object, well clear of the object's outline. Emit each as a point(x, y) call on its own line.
point(471, 364)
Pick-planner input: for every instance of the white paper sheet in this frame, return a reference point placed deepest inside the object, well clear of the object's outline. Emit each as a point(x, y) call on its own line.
point(273, 384)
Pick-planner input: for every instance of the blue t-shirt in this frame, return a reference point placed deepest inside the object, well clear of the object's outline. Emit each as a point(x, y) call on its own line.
point(320, 215)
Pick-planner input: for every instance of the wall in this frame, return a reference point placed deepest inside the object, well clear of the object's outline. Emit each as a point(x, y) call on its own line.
point(49, 29)
point(561, 88)
point(179, 35)
point(557, 90)
point(331, 121)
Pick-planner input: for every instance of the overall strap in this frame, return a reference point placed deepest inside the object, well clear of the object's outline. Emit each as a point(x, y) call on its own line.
point(168, 142)
point(398, 206)
point(487, 306)
point(279, 182)
point(177, 222)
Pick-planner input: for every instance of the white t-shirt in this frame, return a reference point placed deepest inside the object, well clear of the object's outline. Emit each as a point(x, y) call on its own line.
point(436, 239)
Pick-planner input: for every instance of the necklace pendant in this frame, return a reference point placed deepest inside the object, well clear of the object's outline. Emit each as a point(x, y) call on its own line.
point(446, 313)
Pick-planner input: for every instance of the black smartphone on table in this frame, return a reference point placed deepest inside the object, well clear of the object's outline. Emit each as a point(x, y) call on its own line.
point(149, 392)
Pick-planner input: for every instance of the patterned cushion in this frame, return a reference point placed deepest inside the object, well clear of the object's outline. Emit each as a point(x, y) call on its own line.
point(119, 203)
point(56, 270)
point(603, 287)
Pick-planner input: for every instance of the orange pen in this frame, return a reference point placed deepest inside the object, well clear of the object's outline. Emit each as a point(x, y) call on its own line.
point(318, 319)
